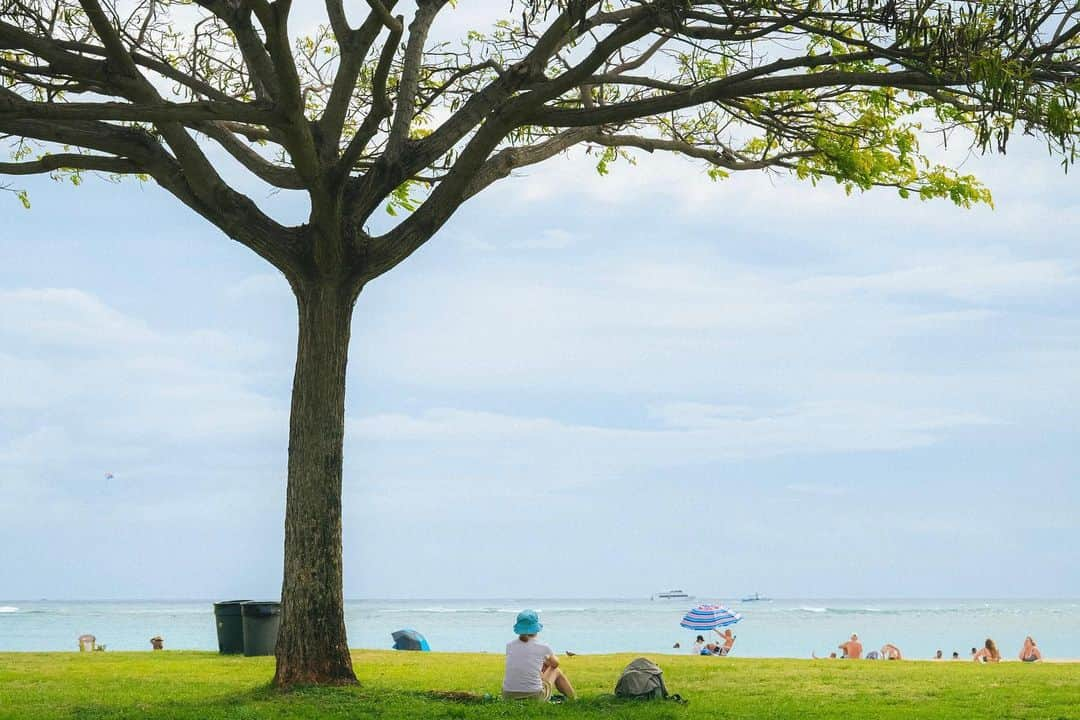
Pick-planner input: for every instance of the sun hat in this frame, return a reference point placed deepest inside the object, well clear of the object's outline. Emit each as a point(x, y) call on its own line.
point(528, 623)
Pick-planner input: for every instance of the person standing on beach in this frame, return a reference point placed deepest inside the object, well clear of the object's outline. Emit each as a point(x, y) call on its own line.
point(532, 669)
point(1030, 652)
point(852, 649)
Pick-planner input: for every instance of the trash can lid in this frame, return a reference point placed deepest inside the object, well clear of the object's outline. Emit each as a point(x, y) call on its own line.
point(257, 608)
point(228, 607)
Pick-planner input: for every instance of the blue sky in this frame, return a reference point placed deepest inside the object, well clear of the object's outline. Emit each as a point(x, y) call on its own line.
point(583, 386)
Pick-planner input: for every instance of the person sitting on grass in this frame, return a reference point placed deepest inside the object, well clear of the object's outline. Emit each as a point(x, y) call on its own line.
point(532, 670)
point(891, 652)
point(1031, 652)
point(852, 648)
point(988, 653)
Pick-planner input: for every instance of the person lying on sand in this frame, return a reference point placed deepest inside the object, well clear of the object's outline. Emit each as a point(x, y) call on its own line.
point(988, 653)
point(852, 648)
point(710, 649)
point(1030, 652)
point(890, 652)
point(532, 670)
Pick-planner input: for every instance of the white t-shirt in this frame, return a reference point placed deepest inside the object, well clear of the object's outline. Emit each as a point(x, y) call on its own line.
point(523, 663)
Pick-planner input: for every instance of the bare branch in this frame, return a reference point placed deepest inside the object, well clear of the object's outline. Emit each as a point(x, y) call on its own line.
point(73, 161)
point(156, 112)
point(410, 72)
point(277, 175)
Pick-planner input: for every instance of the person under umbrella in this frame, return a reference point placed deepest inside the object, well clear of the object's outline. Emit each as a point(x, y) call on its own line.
point(713, 617)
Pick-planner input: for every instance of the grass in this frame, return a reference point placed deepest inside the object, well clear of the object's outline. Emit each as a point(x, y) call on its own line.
point(205, 686)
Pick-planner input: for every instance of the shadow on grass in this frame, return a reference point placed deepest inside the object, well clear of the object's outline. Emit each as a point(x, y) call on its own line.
point(330, 703)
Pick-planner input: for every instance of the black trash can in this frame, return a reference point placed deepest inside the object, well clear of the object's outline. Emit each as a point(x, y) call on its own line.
point(230, 627)
point(261, 622)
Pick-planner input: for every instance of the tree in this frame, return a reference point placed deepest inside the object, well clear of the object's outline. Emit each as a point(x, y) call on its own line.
point(378, 115)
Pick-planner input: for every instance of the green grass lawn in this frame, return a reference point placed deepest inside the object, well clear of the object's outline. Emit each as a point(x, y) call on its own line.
point(399, 685)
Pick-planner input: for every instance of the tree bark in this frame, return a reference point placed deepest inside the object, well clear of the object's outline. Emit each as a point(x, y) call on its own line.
point(312, 646)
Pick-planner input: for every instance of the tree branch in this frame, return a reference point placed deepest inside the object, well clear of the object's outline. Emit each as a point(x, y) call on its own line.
point(209, 110)
point(354, 49)
point(391, 249)
point(727, 89)
point(277, 175)
point(73, 161)
point(410, 72)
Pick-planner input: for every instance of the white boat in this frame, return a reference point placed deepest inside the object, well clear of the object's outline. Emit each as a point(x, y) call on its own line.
point(671, 595)
point(756, 597)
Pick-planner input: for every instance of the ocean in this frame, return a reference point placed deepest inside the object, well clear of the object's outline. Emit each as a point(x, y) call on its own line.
point(777, 628)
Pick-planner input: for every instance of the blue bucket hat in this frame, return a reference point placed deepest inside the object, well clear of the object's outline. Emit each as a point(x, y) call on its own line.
point(528, 623)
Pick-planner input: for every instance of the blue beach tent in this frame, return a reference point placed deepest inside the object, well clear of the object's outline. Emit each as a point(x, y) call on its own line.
point(408, 639)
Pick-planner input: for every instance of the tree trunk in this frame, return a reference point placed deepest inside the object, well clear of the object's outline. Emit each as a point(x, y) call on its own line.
point(312, 646)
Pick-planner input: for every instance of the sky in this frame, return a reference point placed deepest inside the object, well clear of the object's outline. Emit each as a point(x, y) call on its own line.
point(584, 386)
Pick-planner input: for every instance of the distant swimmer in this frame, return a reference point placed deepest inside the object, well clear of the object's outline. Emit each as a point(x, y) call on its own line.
point(1030, 652)
point(852, 648)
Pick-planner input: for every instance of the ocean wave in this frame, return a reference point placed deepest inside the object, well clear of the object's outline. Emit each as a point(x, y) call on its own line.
point(436, 610)
point(849, 611)
point(8, 609)
point(479, 611)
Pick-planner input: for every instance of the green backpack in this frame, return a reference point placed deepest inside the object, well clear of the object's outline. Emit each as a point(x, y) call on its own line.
point(642, 680)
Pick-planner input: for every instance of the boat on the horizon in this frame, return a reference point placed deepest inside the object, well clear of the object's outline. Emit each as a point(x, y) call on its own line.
point(756, 597)
point(671, 595)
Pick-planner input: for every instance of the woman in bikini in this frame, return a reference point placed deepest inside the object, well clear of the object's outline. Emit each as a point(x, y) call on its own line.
point(1031, 652)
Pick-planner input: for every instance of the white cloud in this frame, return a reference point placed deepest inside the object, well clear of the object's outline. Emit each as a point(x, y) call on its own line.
point(687, 434)
point(545, 239)
point(957, 275)
point(88, 389)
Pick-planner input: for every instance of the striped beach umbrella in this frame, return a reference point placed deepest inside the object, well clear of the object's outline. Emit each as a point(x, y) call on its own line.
point(709, 617)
